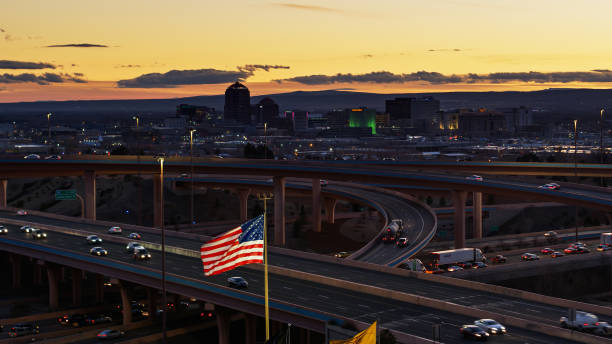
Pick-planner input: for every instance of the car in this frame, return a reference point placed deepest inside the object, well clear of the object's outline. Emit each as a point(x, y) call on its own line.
point(115, 230)
point(109, 334)
point(23, 329)
point(479, 265)
point(323, 182)
point(550, 186)
point(98, 251)
point(74, 320)
point(237, 282)
point(22, 212)
point(93, 239)
point(473, 331)
point(584, 321)
point(98, 319)
point(578, 244)
point(557, 254)
point(603, 329)
point(3, 230)
point(135, 236)
point(529, 256)
point(498, 259)
point(26, 229)
point(32, 156)
point(546, 250)
point(570, 250)
point(602, 247)
point(454, 268)
point(582, 249)
point(38, 234)
point(132, 246)
point(491, 326)
point(141, 253)
point(53, 157)
point(341, 254)
point(184, 175)
point(474, 177)
point(402, 242)
point(551, 236)
point(465, 265)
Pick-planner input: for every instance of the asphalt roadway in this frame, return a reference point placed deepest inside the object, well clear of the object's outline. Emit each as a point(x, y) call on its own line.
point(401, 316)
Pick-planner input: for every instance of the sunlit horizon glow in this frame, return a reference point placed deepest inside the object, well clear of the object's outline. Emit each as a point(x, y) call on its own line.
point(117, 40)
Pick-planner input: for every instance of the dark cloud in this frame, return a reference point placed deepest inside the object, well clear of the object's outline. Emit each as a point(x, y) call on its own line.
point(441, 50)
point(2, 30)
point(78, 74)
point(306, 7)
point(174, 78)
point(128, 66)
point(8, 64)
point(74, 65)
point(77, 45)
point(367, 56)
point(43, 79)
point(599, 75)
point(251, 68)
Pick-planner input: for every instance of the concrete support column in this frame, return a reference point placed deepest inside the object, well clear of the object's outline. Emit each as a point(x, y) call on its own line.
point(16, 270)
point(158, 200)
point(279, 211)
point(316, 205)
point(99, 289)
point(151, 301)
point(477, 215)
point(223, 325)
point(243, 195)
point(3, 184)
point(250, 323)
point(126, 306)
point(77, 287)
point(459, 204)
point(89, 179)
point(53, 276)
point(37, 273)
point(330, 209)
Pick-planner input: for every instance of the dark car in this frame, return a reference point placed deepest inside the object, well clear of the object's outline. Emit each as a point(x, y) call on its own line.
point(402, 242)
point(499, 259)
point(141, 253)
point(135, 236)
point(465, 265)
point(473, 331)
point(237, 282)
point(132, 246)
point(26, 229)
point(109, 334)
point(38, 234)
point(23, 330)
point(74, 320)
point(98, 319)
point(529, 256)
point(98, 251)
point(479, 265)
point(3, 230)
point(582, 249)
point(547, 250)
point(93, 239)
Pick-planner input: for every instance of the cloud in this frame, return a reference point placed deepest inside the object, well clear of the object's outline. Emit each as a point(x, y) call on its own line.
point(78, 74)
point(442, 50)
point(42, 79)
point(8, 64)
point(306, 7)
point(128, 66)
point(367, 56)
point(2, 30)
point(251, 68)
point(174, 78)
point(77, 45)
point(598, 75)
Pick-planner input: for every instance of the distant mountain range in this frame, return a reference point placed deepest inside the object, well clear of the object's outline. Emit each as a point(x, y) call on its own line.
point(561, 101)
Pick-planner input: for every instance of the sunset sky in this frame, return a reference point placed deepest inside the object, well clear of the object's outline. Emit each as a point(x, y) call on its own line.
point(82, 49)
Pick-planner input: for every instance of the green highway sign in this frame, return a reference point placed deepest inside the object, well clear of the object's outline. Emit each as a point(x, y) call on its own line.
point(65, 195)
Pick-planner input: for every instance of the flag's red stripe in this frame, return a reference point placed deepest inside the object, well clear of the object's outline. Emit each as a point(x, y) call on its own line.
point(233, 232)
point(235, 266)
point(236, 257)
point(230, 250)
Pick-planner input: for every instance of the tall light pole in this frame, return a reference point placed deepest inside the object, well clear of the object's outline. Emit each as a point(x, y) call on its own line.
point(191, 131)
point(266, 140)
point(576, 168)
point(601, 145)
point(137, 118)
point(163, 249)
point(49, 126)
point(265, 197)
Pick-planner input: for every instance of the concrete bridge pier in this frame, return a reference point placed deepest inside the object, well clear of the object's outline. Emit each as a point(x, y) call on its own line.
point(16, 270)
point(37, 278)
point(126, 306)
point(477, 214)
point(316, 205)
point(89, 179)
point(151, 301)
point(223, 325)
point(243, 195)
point(330, 209)
point(279, 211)
point(99, 289)
point(158, 201)
point(250, 323)
point(3, 184)
point(53, 276)
point(459, 198)
point(77, 287)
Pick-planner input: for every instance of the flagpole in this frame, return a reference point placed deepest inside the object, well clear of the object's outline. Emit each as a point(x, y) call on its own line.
point(265, 197)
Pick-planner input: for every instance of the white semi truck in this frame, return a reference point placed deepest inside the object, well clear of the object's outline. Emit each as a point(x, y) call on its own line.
point(451, 257)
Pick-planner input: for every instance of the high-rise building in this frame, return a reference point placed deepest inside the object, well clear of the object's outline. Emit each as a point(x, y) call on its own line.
point(300, 120)
point(266, 111)
point(416, 112)
point(237, 104)
point(362, 118)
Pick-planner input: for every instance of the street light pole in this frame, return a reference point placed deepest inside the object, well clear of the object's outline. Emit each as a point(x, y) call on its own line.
point(576, 170)
point(163, 250)
point(601, 145)
point(266, 140)
point(137, 118)
point(191, 131)
point(49, 126)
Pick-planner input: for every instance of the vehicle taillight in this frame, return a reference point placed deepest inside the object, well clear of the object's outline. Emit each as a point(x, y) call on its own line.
point(597, 323)
point(585, 324)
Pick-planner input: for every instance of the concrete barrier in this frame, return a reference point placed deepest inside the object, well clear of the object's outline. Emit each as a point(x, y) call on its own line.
point(44, 336)
point(51, 315)
point(92, 334)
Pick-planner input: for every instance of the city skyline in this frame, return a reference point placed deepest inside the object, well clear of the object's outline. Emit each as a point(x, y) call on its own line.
point(115, 50)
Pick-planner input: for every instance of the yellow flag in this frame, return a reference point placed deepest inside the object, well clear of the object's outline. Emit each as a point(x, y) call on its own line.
point(367, 336)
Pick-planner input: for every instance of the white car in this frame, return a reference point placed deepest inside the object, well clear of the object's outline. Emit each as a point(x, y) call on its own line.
point(474, 177)
point(32, 156)
point(22, 212)
point(115, 230)
point(3, 230)
point(584, 322)
point(26, 229)
point(324, 182)
point(490, 326)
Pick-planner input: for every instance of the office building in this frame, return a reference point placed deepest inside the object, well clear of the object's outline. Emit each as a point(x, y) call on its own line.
point(237, 104)
point(414, 112)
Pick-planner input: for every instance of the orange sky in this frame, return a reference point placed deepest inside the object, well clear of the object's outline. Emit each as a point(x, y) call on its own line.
point(315, 37)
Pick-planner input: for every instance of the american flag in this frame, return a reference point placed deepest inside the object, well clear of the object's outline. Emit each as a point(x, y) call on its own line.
point(239, 246)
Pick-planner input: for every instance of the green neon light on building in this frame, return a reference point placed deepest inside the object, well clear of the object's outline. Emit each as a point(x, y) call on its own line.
point(363, 118)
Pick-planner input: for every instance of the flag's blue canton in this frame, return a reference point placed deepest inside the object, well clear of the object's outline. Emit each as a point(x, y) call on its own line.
point(252, 230)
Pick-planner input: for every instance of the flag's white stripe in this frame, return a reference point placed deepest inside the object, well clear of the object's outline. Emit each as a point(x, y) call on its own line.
point(227, 249)
point(235, 262)
point(219, 250)
point(253, 251)
point(236, 253)
point(217, 242)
